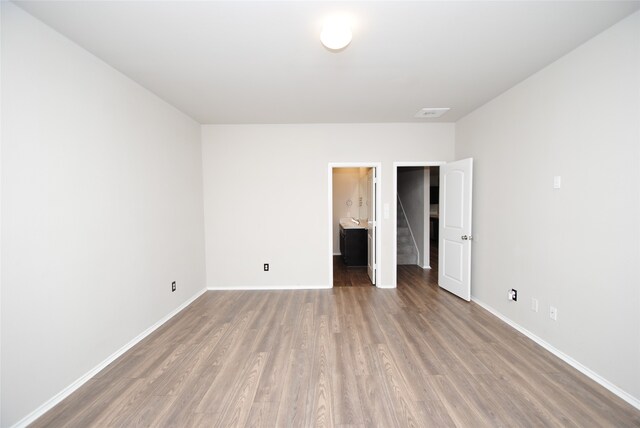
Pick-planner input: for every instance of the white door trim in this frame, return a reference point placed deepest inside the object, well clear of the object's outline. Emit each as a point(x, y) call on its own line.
point(378, 167)
point(394, 276)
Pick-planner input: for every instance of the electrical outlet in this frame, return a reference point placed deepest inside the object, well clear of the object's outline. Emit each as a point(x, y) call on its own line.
point(534, 304)
point(266, 267)
point(512, 294)
point(553, 313)
point(173, 286)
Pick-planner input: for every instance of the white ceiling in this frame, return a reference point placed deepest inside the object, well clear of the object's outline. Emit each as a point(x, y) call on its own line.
point(262, 62)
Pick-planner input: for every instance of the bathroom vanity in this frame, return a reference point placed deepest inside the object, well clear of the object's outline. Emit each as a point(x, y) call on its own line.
point(353, 243)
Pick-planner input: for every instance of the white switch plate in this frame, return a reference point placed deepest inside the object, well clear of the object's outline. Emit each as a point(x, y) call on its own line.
point(553, 313)
point(534, 304)
point(557, 182)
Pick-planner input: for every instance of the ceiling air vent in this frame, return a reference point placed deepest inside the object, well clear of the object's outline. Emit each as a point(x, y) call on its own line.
point(431, 113)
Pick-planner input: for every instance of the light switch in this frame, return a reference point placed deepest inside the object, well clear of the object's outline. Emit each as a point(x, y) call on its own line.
point(385, 212)
point(557, 182)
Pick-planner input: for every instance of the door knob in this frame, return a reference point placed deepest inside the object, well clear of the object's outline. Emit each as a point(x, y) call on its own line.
point(466, 238)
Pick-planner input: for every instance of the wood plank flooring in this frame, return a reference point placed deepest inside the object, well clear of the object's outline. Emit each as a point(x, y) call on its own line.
point(414, 356)
point(349, 276)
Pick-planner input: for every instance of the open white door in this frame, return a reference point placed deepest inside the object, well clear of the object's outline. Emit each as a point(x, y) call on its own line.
point(371, 224)
point(454, 255)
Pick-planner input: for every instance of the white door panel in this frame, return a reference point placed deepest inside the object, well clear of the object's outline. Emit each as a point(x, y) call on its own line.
point(454, 258)
point(452, 267)
point(453, 201)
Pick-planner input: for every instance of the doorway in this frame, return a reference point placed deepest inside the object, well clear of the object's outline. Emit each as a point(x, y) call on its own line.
point(417, 216)
point(354, 207)
point(455, 185)
point(416, 186)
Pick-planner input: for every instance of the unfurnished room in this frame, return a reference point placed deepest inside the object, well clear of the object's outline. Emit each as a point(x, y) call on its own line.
point(319, 213)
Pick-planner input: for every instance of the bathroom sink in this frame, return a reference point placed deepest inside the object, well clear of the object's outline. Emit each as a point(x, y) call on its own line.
point(347, 223)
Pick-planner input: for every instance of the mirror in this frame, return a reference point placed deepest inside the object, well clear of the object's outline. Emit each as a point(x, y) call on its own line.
point(350, 194)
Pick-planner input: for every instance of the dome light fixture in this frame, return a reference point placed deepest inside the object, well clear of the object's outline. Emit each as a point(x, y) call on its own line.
point(336, 33)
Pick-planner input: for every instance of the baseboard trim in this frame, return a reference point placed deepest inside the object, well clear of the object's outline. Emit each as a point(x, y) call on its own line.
point(278, 287)
point(564, 357)
point(49, 404)
point(268, 287)
point(426, 267)
point(385, 286)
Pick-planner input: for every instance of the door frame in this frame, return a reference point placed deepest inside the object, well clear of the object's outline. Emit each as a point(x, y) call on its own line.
point(394, 214)
point(378, 225)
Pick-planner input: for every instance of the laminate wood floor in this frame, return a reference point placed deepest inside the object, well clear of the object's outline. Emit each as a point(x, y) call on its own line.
point(349, 276)
point(415, 356)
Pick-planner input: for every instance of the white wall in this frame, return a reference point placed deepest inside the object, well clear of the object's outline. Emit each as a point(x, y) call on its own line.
point(278, 214)
point(578, 247)
point(346, 187)
point(101, 210)
point(411, 192)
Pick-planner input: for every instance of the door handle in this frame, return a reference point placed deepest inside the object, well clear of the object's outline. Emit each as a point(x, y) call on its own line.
point(466, 238)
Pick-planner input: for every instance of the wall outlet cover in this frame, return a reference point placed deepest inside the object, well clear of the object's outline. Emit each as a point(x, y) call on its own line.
point(557, 182)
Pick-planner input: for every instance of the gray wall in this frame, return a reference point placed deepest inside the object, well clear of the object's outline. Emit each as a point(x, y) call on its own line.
point(287, 206)
point(578, 247)
point(101, 210)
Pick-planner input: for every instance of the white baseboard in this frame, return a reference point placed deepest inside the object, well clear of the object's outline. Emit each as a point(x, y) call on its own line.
point(337, 254)
point(385, 286)
point(635, 402)
point(49, 404)
point(268, 287)
point(426, 267)
point(278, 287)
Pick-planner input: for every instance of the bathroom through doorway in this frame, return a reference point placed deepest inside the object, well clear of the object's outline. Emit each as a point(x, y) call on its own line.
point(354, 232)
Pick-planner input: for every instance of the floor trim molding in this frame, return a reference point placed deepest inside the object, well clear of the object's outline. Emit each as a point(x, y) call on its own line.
point(279, 287)
point(564, 357)
point(56, 399)
point(385, 286)
point(268, 287)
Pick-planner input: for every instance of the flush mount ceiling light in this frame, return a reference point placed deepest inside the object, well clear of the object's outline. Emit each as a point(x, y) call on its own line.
point(431, 113)
point(336, 33)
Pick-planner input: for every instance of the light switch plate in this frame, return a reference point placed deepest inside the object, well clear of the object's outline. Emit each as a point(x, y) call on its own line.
point(557, 182)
